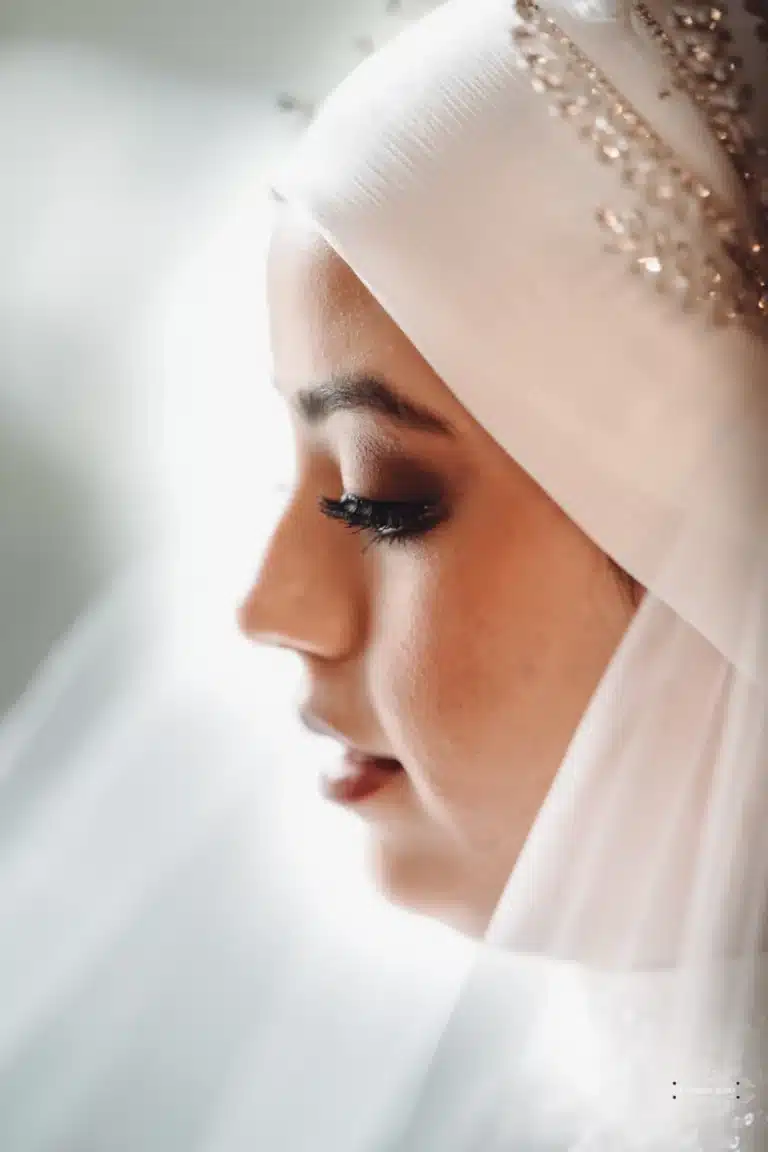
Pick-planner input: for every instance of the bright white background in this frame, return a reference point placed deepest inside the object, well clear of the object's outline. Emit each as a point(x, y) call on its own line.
point(133, 142)
point(190, 957)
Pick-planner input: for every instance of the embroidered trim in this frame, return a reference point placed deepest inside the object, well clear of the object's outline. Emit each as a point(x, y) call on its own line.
point(680, 234)
point(698, 47)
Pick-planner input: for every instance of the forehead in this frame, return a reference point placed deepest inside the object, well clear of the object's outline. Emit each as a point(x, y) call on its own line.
point(322, 318)
point(324, 321)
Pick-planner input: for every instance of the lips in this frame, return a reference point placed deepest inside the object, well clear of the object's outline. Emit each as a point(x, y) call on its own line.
point(358, 773)
point(353, 756)
point(359, 776)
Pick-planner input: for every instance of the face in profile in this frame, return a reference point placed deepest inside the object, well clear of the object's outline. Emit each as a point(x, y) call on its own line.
point(462, 632)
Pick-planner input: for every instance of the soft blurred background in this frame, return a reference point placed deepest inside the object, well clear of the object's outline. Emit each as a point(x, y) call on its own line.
point(134, 138)
point(190, 956)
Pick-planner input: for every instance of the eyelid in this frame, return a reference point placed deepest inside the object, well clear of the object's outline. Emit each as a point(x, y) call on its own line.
point(355, 504)
point(390, 521)
point(369, 503)
point(394, 475)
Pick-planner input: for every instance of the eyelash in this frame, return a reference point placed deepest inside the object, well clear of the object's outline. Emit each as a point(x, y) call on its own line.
point(391, 522)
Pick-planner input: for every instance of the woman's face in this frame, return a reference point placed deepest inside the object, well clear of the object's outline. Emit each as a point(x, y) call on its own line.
point(468, 652)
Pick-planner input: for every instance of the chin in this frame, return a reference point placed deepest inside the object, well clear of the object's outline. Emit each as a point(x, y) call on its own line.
point(431, 886)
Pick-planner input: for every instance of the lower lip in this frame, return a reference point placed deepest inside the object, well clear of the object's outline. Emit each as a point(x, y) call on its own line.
point(362, 776)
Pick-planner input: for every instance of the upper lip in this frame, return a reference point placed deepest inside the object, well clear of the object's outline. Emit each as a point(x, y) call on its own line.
point(316, 724)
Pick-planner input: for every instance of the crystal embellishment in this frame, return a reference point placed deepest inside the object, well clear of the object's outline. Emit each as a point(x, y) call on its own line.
point(678, 232)
point(695, 41)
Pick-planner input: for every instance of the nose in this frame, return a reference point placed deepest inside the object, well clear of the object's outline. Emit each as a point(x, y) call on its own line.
point(306, 594)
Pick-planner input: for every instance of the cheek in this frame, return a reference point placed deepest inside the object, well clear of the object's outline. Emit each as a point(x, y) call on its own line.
point(481, 673)
point(459, 661)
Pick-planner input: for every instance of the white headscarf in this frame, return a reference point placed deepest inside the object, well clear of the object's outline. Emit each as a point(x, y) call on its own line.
point(438, 175)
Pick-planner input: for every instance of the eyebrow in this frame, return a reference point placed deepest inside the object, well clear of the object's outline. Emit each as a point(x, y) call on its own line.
point(365, 392)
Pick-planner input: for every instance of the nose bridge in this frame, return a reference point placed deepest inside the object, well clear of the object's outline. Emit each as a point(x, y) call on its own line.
point(306, 594)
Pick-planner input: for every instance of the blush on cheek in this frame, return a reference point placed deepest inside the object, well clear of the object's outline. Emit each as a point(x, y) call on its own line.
point(425, 689)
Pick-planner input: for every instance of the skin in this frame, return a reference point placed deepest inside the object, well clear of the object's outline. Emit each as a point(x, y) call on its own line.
point(469, 654)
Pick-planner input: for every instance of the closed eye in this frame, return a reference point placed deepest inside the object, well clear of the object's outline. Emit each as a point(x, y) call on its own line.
point(389, 521)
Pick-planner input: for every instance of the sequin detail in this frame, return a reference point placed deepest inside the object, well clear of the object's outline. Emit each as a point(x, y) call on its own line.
point(677, 232)
point(697, 45)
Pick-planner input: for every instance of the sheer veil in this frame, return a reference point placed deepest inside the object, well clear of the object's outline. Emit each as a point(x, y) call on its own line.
point(638, 905)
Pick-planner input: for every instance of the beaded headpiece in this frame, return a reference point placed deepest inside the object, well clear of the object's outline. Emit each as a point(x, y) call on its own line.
point(677, 231)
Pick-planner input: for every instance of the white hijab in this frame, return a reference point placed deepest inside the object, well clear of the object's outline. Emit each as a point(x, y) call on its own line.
point(437, 174)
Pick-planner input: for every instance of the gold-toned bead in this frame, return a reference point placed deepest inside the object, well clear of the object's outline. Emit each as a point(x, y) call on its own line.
point(684, 290)
point(649, 264)
point(563, 106)
point(726, 229)
point(611, 150)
